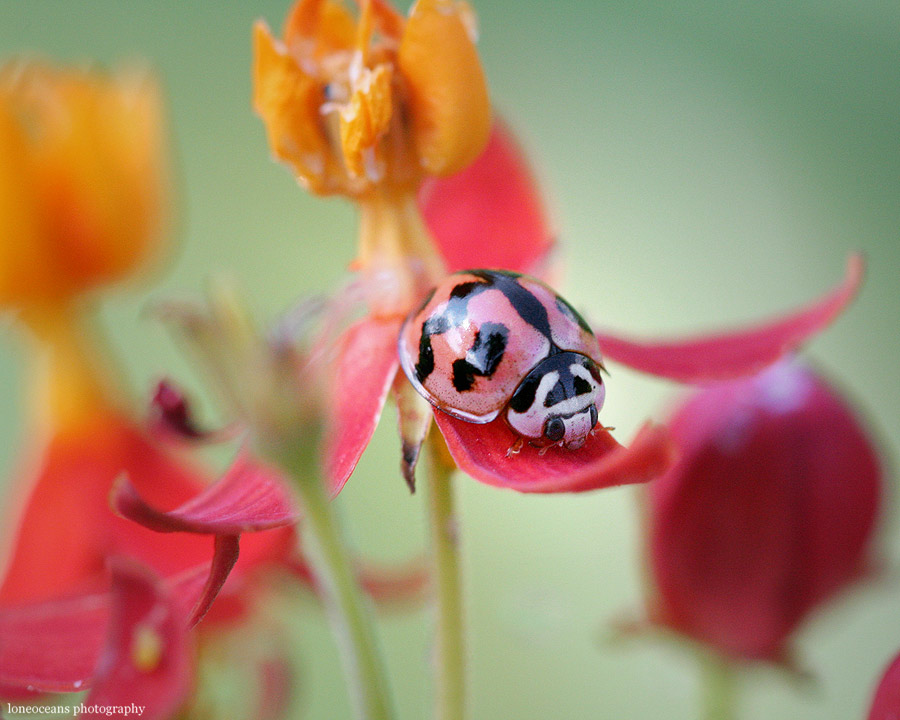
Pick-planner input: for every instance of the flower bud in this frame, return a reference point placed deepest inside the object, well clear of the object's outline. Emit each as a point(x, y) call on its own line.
point(81, 180)
point(767, 514)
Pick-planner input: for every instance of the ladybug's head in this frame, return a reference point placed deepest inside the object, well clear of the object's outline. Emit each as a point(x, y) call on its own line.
point(558, 401)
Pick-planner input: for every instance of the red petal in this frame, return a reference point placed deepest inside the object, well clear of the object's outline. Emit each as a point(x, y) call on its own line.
point(248, 498)
point(224, 558)
point(367, 363)
point(67, 530)
point(886, 703)
point(489, 215)
point(735, 353)
point(480, 451)
point(147, 659)
point(54, 646)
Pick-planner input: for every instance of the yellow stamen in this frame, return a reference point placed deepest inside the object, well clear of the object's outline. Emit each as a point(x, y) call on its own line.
point(146, 648)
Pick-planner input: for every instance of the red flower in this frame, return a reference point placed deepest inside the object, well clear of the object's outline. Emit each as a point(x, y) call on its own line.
point(490, 215)
point(767, 514)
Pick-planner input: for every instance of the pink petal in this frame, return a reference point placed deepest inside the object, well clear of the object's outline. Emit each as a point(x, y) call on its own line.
point(489, 215)
point(735, 353)
point(248, 498)
point(886, 703)
point(147, 659)
point(366, 366)
point(480, 451)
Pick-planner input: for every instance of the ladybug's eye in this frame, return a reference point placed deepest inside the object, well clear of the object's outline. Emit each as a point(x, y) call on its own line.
point(554, 429)
point(593, 415)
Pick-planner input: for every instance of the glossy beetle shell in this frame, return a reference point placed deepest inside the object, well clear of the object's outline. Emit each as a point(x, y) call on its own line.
point(480, 333)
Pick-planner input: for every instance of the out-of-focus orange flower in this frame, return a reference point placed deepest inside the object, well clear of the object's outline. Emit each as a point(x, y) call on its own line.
point(81, 182)
point(353, 103)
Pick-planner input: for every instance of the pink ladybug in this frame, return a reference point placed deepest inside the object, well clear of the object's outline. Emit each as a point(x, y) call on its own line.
point(489, 341)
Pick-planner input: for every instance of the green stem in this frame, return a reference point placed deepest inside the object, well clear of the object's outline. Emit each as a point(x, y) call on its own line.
point(348, 610)
point(719, 688)
point(450, 661)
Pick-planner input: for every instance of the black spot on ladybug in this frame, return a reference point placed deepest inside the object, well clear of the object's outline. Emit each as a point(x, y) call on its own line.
point(529, 308)
point(572, 314)
point(482, 358)
point(453, 315)
point(556, 395)
point(581, 385)
point(523, 398)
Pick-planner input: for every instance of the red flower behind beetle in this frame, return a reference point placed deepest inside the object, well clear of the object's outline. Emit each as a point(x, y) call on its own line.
point(490, 215)
point(768, 513)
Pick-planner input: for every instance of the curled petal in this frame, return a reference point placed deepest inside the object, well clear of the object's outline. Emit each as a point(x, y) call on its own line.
point(736, 353)
point(366, 366)
point(147, 656)
point(224, 558)
point(481, 451)
point(489, 215)
point(449, 106)
point(249, 498)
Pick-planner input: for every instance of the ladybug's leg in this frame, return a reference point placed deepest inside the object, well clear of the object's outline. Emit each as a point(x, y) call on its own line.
point(603, 428)
point(515, 448)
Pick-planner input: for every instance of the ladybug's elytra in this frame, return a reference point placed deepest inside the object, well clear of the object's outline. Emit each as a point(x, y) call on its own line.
point(485, 341)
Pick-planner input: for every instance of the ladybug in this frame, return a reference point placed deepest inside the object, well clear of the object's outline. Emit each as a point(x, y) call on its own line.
point(486, 342)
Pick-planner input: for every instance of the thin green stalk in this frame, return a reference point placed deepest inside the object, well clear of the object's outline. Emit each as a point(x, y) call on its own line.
point(450, 660)
point(719, 688)
point(349, 612)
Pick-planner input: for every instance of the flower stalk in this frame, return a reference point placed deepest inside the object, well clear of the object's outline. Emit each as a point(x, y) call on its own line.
point(718, 687)
point(347, 608)
point(449, 650)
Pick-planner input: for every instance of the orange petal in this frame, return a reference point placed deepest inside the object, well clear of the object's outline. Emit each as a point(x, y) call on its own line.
point(448, 97)
point(328, 23)
point(366, 120)
point(289, 101)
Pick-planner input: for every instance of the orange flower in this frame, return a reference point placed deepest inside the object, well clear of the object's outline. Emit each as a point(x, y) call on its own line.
point(81, 182)
point(353, 103)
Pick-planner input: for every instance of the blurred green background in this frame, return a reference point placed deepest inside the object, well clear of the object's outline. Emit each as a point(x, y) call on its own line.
point(706, 162)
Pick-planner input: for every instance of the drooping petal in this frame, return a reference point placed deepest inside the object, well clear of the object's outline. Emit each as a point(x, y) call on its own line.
point(481, 451)
point(250, 497)
point(489, 215)
point(366, 365)
point(147, 658)
point(886, 703)
point(734, 353)
point(225, 556)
